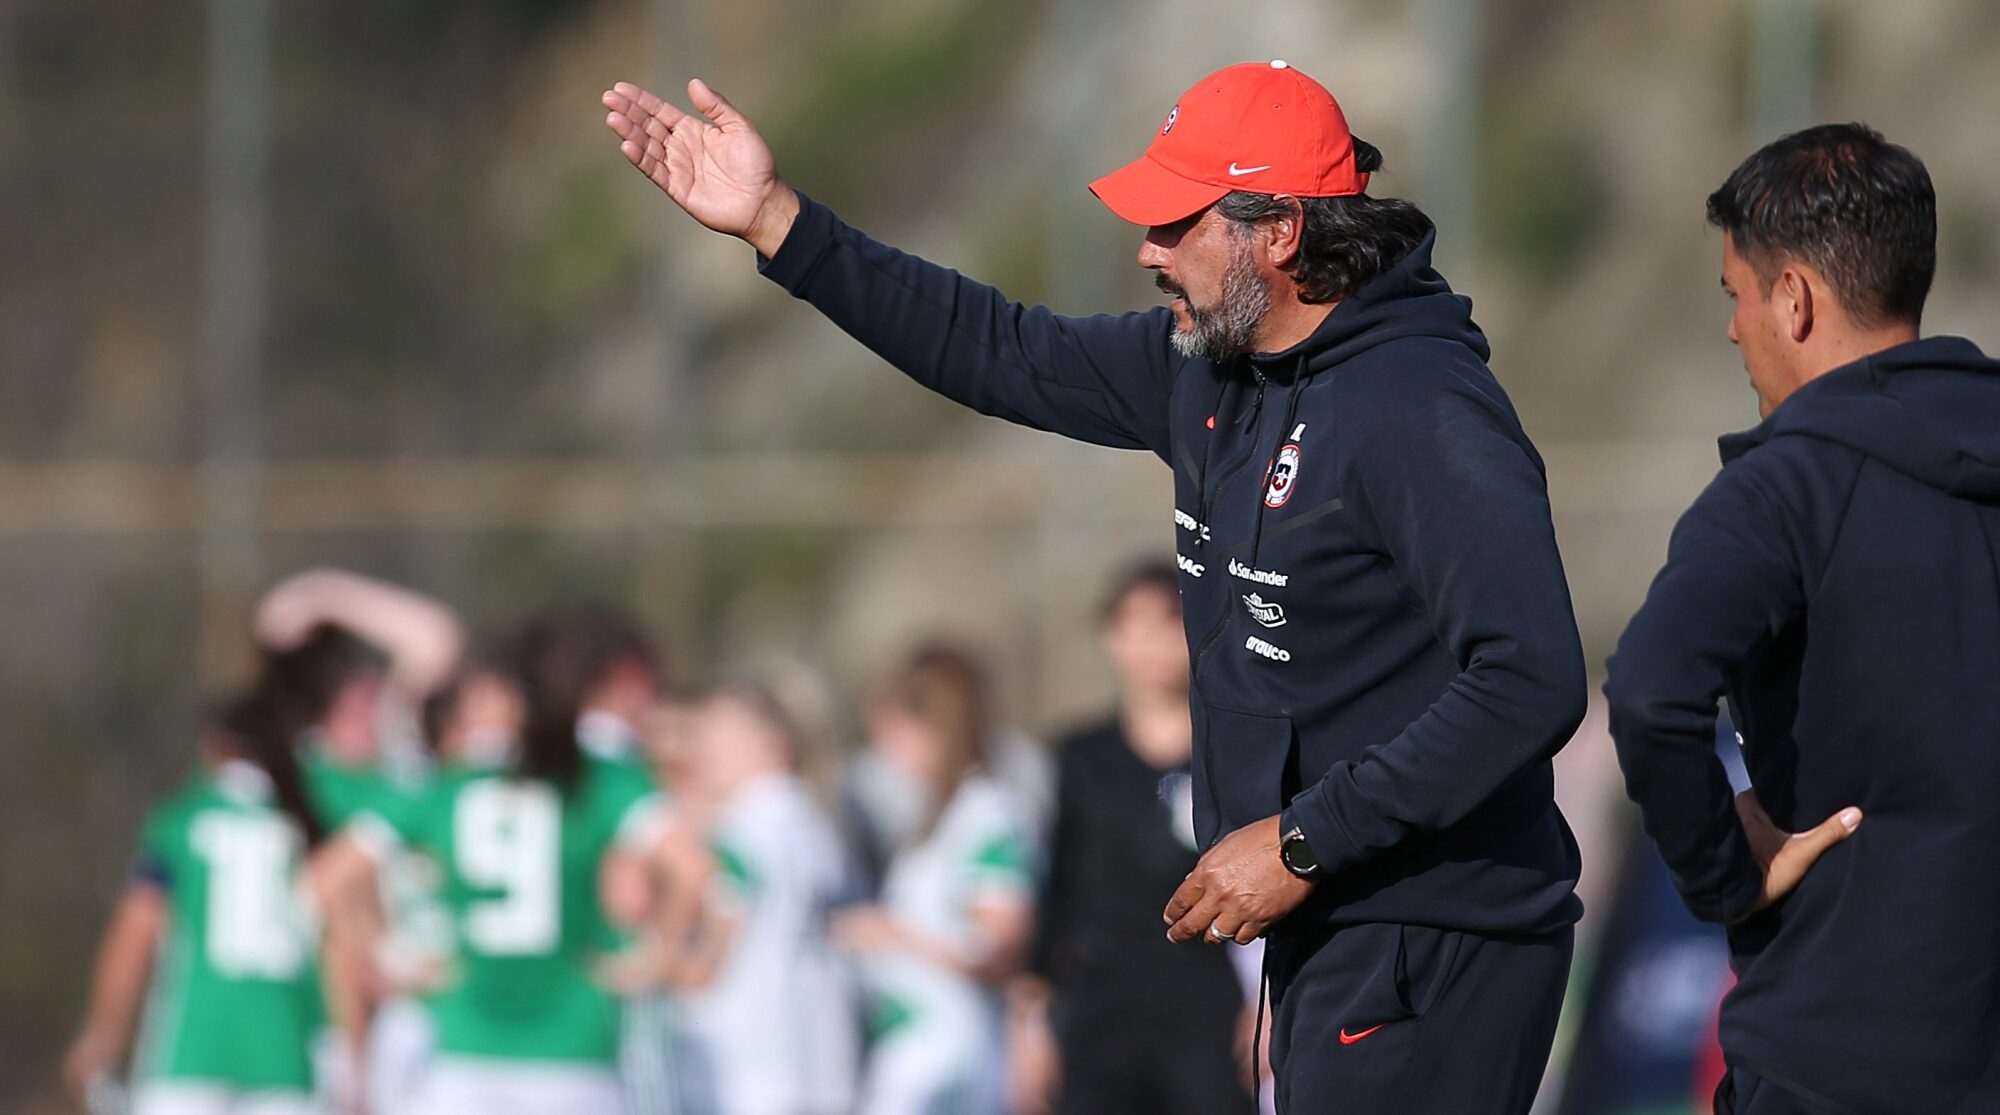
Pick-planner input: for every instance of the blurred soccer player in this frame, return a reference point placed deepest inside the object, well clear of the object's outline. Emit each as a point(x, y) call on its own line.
point(342, 657)
point(955, 915)
point(212, 916)
point(347, 663)
point(1143, 1026)
point(534, 847)
point(611, 664)
point(356, 657)
point(769, 1022)
point(1384, 656)
point(1840, 582)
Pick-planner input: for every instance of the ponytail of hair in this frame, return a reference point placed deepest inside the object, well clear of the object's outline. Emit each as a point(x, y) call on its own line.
point(292, 693)
point(258, 727)
point(556, 673)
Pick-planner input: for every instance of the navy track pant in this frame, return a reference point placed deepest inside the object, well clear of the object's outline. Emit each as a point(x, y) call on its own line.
point(1410, 1019)
point(1743, 1092)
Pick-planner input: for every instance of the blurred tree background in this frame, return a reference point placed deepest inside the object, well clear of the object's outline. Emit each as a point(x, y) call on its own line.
point(475, 353)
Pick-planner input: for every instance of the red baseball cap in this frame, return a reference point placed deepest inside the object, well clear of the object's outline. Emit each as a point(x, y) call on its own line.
point(1258, 126)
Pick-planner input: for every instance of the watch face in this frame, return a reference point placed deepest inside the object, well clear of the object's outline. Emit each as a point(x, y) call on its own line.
point(1297, 854)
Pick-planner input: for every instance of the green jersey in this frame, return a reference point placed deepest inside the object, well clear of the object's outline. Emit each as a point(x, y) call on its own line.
point(339, 793)
point(236, 996)
point(520, 863)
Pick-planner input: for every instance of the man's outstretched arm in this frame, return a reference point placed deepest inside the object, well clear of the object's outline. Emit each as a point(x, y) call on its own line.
point(1103, 379)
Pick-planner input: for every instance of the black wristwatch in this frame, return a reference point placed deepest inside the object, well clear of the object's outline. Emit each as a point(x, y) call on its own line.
point(1294, 851)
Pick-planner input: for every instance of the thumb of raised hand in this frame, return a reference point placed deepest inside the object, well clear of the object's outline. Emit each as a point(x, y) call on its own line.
point(712, 105)
point(1803, 849)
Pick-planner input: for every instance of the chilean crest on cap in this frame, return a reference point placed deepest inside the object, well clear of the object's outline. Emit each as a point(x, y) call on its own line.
point(1172, 115)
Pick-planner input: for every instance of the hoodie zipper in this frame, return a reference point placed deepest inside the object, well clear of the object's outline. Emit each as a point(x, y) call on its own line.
point(1284, 436)
point(1210, 494)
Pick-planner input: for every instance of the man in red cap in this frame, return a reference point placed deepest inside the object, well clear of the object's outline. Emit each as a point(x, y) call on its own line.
point(1384, 656)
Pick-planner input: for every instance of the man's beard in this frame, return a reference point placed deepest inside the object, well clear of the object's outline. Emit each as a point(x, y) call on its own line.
point(1224, 331)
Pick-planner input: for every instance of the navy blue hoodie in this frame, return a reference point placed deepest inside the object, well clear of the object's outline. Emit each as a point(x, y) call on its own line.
point(1380, 627)
point(1839, 581)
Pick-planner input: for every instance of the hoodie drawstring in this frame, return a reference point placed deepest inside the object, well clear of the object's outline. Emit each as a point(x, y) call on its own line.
point(1207, 447)
point(1257, 1030)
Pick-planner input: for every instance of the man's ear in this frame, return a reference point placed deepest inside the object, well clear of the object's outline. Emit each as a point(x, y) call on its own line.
point(1795, 286)
point(1285, 233)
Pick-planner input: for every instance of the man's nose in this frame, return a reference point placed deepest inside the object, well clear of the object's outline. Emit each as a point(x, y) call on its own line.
point(1732, 329)
point(1151, 255)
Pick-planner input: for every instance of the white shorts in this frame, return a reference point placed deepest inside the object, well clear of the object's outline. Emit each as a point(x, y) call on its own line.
point(920, 1070)
point(487, 1086)
point(645, 1058)
point(399, 1054)
point(711, 1078)
point(195, 1097)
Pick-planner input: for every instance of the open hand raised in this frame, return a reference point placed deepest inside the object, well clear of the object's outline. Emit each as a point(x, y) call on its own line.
point(711, 162)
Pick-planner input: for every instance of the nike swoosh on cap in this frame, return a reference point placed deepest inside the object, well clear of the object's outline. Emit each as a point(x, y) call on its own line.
point(1349, 1039)
point(1235, 170)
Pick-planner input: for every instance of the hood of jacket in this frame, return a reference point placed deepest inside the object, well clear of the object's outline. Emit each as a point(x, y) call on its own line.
point(1929, 409)
point(1409, 299)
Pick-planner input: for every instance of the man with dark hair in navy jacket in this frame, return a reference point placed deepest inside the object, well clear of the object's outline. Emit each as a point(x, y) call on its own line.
point(1383, 654)
point(1840, 582)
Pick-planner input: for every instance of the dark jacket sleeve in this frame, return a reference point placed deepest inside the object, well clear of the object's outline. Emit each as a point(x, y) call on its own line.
point(1459, 500)
point(1103, 379)
point(1731, 583)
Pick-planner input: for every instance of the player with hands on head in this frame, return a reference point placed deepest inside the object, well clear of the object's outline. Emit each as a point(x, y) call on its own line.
point(351, 662)
point(421, 637)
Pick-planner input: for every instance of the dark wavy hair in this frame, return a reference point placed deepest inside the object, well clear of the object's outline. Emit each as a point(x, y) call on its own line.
point(263, 730)
point(1346, 241)
point(292, 692)
point(558, 660)
point(434, 715)
point(1852, 205)
point(303, 681)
